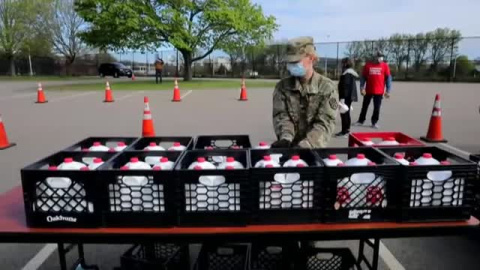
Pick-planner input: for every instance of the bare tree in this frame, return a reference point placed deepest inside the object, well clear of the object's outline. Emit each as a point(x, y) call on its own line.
point(382, 45)
point(66, 26)
point(398, 49)
point(419, 47)
point(357, 51)
point(442, 42)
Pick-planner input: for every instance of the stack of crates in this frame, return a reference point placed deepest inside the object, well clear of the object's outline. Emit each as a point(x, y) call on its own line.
point(63, 198)
point(286, 194)
point(113, 195)
point(359, 193)
point(149, 200)
point(375, 138)
point(146, 201)
point(213, 197)
point(435, 192)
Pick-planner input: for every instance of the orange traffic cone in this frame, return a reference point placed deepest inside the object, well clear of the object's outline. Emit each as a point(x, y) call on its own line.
point(176, 92)
point(148, 130)
point(133, 76)
point(108, 93)
point(4, 144)
point(434, 134)
point(243, 91)
point(40, 95)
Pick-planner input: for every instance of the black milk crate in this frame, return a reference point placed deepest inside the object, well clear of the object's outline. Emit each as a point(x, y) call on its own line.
point(273, 255)
point(311, 258)
point(476, 159)
point(223, 257)
point(286, 195)
point(63, 198)
point(110, 142)
point(148, 203)
point(359, 193)
point(428, 196)
point(223, 142)
point(201, 203)
point(156, 256)
point(165, 142)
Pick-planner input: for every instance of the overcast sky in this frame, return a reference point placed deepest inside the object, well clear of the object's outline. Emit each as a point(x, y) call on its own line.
point(345, 20)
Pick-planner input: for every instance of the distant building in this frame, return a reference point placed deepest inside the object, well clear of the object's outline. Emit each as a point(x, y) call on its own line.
point(218, 62)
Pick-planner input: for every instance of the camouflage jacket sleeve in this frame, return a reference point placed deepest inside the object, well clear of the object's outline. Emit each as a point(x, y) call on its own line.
point(323, 124)
point(282, 124)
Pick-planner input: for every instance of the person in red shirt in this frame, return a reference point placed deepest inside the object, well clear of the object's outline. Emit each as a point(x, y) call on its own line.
point(376, 75)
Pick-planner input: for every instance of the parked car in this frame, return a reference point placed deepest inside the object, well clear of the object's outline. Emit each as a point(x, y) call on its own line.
point(114, 69)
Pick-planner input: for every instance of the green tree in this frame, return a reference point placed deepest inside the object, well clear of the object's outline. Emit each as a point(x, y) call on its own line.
point(464, 67)
point(20, 21)
point(188, 25)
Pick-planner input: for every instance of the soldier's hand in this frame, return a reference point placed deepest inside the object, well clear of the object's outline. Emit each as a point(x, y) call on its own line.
point(387, 95)
point(363, 92)
point(281, 144)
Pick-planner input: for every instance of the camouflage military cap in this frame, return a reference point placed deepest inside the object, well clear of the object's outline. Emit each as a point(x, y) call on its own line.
point(298, 48)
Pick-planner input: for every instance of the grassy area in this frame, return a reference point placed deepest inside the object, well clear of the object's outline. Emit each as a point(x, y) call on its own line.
point(45, 78)
point(166, 85)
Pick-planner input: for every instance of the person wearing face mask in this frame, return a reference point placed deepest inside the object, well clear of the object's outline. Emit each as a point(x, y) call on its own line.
point(347, 92)
point(376, 75)
point(305, 103)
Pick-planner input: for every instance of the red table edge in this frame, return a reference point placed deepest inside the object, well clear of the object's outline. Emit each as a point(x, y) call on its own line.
point(14, 222)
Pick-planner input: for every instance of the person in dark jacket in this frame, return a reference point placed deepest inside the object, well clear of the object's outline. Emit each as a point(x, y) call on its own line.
point(347, 92)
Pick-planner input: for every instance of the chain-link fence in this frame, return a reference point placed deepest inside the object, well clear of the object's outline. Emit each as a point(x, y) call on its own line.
point(409, 59)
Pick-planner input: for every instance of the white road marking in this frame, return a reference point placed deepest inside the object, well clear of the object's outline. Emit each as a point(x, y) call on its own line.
point(18, 96)
point(459, 151)
point(130, 95)
point(390, 260)
point(186, 94)
point(73, 96)
point(40, 257)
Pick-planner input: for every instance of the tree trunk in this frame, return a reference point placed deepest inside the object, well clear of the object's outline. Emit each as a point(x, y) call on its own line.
point(187, 69)
point(12, 65)
point(68, 65)
point(67, 68)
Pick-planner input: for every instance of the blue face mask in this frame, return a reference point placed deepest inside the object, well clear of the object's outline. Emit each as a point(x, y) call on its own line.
point(296, 69)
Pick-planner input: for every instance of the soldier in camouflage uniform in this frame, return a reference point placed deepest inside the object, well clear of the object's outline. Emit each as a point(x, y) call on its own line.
point(304, 104)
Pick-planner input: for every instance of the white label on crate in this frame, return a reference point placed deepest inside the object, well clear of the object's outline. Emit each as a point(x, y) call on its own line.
point(439, 175)
point(61, 218)
point(211, 180)
point(286, 178)
point(359, 214)
point(362, 178)
point(59, 182)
